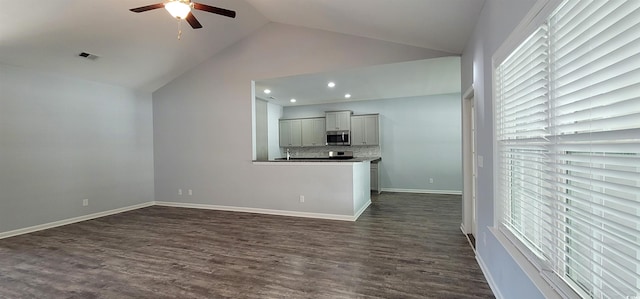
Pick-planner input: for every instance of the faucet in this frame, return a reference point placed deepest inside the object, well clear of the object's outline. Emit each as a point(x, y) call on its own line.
point(288, 155)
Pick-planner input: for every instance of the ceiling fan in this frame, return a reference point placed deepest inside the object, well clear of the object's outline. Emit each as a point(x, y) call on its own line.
point(181, 10)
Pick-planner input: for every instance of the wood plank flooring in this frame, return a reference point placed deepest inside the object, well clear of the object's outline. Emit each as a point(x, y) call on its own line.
point(403, 246)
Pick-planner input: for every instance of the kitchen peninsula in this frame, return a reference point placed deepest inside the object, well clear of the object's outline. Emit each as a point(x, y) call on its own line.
point(336, 189)
point(314, 166)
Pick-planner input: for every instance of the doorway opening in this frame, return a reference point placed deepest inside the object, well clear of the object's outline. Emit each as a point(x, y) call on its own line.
point(469, 167)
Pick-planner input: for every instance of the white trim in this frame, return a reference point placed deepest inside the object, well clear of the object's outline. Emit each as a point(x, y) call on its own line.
point(262, 211)
point(452, 192)
point(534, 18)
point(364, 208)
point(466, 235)
point(35, 228)
point(469, 93)
point(489, 278)
point(469, 160)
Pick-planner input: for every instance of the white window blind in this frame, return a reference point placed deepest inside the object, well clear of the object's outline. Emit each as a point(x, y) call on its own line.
point(568, 142)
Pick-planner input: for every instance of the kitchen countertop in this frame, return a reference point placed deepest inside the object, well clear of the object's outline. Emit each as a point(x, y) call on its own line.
point(320, 160)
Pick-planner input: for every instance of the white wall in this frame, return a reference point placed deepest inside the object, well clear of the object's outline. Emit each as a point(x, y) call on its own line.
point(362, 186)
point(420, 138)
point(63, 140)
point(274, 114)
point(497, 20)
point(203, 119)
point(261, 130)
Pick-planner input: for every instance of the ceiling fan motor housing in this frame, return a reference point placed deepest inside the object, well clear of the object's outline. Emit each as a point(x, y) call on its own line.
point(178, 8)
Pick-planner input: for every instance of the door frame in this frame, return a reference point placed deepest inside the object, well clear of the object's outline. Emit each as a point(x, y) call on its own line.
point(469, 166)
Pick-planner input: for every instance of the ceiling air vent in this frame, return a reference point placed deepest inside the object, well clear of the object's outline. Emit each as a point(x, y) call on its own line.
point(88, 56)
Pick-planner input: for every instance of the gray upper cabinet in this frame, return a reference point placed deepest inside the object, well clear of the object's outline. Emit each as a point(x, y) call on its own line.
point(338, 121)
point(365, 130)
point(313, 131)
point(290, 132)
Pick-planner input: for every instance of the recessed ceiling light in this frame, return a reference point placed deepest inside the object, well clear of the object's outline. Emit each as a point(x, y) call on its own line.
point(292, 100)
point(346, 96)
point(331, 84)
point(267, 91)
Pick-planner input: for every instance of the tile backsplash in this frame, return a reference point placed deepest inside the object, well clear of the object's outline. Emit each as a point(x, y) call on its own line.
point(314, 152)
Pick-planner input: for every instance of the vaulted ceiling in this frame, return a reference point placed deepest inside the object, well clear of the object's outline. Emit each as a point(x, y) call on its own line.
point(142, 51)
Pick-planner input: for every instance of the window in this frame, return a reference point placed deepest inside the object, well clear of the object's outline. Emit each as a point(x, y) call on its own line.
point(567, 116)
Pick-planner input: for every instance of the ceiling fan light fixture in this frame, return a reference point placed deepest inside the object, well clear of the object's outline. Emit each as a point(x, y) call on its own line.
point(178, 8)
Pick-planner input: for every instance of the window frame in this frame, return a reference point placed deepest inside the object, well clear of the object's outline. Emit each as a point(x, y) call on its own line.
point(535, 265)
point(541, 274)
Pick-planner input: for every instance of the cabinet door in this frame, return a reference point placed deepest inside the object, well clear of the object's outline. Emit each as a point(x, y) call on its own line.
point(296, 132)
point(343, 120)
point(285, 133)
point(290, 133)
point(319, 128)
point(357, 130)
point(307, 132)
point(338, 121)
point(364, 130)
point(313, 132)
point(331, 121)
point(371, 130)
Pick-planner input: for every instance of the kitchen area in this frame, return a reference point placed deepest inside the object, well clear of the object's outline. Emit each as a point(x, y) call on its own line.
point(333, 138)
point(329, 142)
point(388, 128)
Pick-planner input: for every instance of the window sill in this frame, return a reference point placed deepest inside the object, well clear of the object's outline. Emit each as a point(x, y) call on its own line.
point(545, 288)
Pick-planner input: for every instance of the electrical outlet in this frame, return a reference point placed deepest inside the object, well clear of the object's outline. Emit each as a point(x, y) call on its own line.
point(179, 191)
point(301, 198)
point(85, 202)
point(190, 192)
point(431, 180)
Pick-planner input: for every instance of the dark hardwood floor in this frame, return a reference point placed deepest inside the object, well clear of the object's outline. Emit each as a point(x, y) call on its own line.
point(403, 246)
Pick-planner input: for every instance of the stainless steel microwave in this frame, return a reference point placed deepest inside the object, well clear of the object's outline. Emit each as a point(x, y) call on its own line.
point(338, 138)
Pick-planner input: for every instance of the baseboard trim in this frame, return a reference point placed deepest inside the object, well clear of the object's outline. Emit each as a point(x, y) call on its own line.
point(451, 192)
point(490, 281)
point(466, 235)
point(364, 208)
point(258, 211)
point(35, 228)
point(464, 231)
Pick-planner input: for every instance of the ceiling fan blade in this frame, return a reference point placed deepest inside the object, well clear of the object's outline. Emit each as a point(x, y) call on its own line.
point(215, 10)
point(191, 19)
point(148, 7)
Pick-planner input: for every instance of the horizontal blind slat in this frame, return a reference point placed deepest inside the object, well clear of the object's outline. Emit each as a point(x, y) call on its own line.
point(624, 107)
point(569, 103)
point(597, 125)
point(628, 160)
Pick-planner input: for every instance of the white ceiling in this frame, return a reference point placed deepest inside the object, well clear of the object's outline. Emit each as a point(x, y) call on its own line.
point(389, 81)
point(142, 51)
point(443, 25)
